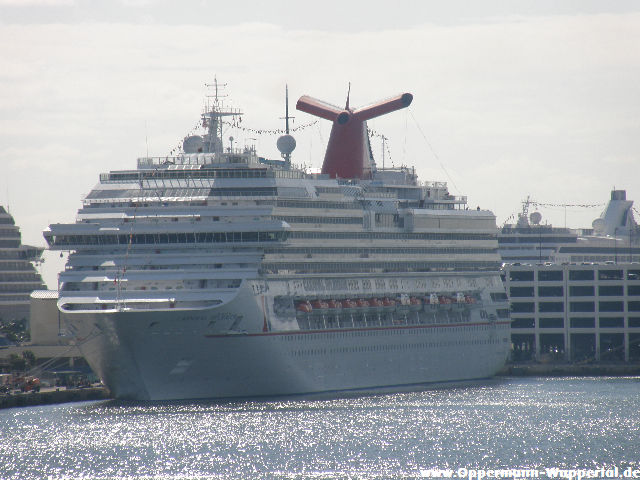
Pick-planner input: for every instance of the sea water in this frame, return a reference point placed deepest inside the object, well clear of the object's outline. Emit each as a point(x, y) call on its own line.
point(513, 427)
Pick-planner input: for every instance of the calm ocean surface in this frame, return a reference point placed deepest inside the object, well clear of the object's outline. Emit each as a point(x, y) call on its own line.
point(509, 423)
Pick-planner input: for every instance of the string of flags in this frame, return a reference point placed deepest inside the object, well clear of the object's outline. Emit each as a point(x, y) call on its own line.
point(373, 133)
point(235, 123)
point(277, 131)
point(581, 205)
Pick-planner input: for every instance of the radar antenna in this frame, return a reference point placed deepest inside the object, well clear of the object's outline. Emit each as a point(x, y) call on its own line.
point(212, 118)
point(286, 143)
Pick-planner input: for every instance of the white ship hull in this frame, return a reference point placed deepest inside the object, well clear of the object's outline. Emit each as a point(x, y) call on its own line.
point(224, 351)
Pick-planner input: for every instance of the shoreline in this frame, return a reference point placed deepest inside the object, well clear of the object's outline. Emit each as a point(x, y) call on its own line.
point(569, 370)
point(51, 397)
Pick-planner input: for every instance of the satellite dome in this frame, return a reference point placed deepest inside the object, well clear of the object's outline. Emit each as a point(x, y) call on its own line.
point(286, 144)
point(598, 225)
point(193, 144)
point(535, 218)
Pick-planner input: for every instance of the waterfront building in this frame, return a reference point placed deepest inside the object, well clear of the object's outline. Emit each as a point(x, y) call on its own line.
point(574, 293)
point(18, 275)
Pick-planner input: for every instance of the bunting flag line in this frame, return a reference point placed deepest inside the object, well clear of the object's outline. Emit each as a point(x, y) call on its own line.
point(373, 133)
point(581, 205)
point(236, 125)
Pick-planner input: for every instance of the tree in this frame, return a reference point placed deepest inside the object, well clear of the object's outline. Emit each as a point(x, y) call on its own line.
point(29, 359)
point(18, 364)
point(15, 331)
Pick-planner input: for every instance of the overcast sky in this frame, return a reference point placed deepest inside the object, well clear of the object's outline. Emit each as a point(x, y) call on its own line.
point(511, 98)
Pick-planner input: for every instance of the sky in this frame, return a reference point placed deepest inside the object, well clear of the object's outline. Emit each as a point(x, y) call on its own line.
point(511, 98)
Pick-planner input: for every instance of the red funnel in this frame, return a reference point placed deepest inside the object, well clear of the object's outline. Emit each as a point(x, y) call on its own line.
point(347, 154)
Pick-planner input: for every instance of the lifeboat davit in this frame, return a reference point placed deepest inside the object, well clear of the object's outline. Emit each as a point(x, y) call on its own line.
point(460, 302)
point(403, 303)
point(431, 302)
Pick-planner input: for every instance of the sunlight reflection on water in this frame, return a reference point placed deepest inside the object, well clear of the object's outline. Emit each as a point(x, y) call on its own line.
point(531, 422)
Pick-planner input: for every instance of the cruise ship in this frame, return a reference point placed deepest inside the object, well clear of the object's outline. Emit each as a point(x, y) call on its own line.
point(216, 273)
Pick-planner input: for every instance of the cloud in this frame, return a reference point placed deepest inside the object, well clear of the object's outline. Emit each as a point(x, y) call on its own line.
point(36, 3)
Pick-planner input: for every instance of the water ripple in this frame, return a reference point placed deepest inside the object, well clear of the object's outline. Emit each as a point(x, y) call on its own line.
point(516, 423)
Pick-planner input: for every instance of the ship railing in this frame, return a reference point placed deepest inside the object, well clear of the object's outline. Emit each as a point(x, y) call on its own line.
point(188, 159)
point(230, 156)
point(435, 184)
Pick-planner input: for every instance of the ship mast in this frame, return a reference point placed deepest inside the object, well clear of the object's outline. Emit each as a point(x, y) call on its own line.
point(212, 118)
point(286, 143)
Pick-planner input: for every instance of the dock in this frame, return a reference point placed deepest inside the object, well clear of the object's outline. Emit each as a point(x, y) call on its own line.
point(570, 370)
point(53, 396)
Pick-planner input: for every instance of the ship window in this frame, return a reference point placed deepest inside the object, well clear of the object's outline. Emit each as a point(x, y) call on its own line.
point(498, 296)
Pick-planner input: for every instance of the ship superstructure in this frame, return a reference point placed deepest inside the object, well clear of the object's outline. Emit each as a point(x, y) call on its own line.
point(215, 273)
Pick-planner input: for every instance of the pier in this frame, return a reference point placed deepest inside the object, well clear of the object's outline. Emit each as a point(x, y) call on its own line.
point(51, 396)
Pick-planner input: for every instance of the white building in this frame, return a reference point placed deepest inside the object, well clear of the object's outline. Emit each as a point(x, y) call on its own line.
point(575, 294)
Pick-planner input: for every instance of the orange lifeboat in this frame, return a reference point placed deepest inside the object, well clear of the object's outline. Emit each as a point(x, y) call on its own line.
point(375, 303)
point(362, 303)
point(334, 304)
point(469, 299)
point(349, 304)
point(445, 301)
point(320, 304)
point(415, 303)
point(304, 306)
point(388, 304)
